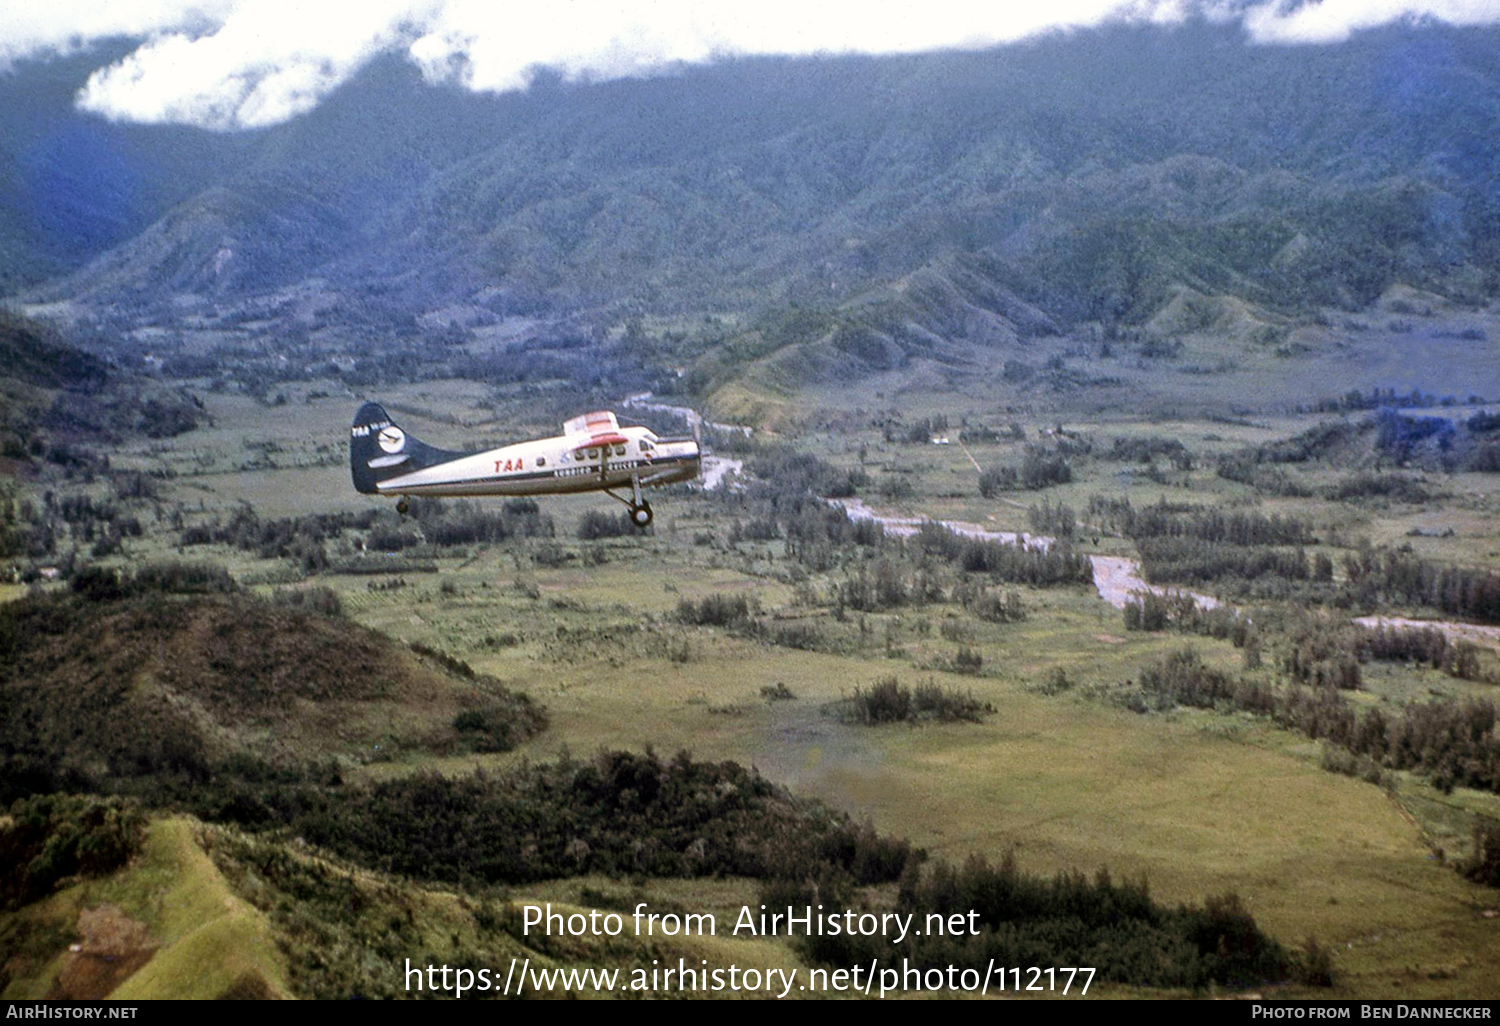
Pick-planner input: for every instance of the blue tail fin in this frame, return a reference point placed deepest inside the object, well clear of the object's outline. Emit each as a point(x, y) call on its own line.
point(380, 450)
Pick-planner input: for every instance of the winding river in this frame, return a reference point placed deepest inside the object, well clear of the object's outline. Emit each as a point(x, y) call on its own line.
point(1116, 578)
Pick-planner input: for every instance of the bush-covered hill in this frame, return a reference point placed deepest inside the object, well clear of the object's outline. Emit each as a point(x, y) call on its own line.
point(125, 685)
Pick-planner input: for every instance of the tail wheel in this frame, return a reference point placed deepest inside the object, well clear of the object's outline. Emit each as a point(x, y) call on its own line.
point(640, 515)
point(403, 507)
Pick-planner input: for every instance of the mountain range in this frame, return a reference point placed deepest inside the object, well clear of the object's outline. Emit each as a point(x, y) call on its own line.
point(1088, 178)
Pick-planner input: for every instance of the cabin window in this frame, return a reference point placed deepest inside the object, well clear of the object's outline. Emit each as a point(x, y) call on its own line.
point(619, 450)
point(593, 454)
point(541, 461)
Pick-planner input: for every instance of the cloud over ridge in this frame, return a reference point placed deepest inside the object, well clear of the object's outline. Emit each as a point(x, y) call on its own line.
point(235, 64)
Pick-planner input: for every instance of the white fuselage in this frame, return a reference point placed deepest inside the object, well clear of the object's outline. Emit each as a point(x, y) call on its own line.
point(567, 463)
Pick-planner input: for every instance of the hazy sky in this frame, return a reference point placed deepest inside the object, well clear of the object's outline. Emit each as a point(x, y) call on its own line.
point(229, 64)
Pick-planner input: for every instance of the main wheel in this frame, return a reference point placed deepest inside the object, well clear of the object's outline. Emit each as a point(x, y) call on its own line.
point(640, 515)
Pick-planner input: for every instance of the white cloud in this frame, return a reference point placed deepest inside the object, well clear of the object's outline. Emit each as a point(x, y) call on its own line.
point(228, 64)
point(496, 48)
point(263, 63)
point(1331, 21)
point(33, 27)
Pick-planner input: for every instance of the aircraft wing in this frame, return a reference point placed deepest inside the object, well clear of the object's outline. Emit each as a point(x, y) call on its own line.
point(600, 422)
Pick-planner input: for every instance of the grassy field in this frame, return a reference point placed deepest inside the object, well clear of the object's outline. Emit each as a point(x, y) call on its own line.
point(1198, 803)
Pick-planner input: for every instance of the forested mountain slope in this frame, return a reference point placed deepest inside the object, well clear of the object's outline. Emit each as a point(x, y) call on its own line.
point(1076, 178)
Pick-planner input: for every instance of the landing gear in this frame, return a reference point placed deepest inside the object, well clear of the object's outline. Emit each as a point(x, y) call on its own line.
point(640, 509)
point(402, 506)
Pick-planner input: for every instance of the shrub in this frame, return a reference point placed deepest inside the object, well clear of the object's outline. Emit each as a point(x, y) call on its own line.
point(317, 600)
point(49, 837)
point(890, 701)
point(716, 610)
point(1483, 865)
point(966, 660)
point(597, 524)
point(1055, 682)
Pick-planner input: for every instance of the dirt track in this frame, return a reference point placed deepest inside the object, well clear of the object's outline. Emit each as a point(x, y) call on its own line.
point(114, 946)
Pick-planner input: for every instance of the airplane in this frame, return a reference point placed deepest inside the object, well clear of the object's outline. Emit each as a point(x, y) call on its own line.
point(593, 454)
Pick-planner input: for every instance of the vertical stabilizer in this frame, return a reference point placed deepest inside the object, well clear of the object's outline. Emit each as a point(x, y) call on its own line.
point(379, 449)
